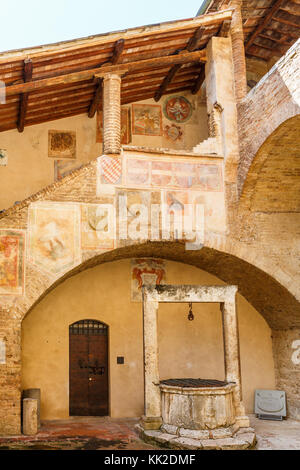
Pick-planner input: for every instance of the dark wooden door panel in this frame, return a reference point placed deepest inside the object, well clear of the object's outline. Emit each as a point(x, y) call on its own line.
point(88, 369)
point(79, 402)
point(98, 378)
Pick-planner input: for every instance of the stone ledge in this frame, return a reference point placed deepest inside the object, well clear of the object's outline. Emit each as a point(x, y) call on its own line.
point(240, 441)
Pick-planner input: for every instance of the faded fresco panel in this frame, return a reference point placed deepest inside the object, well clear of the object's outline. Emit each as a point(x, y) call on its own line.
point(125, 126)
point(63, 168)
point(165, 174)
point(209, 177)
point(54, 236)
point(146, 119)
point(138, 172)
point(61, 144)
point(98, 226)
point(147, 271)
point(12, 246)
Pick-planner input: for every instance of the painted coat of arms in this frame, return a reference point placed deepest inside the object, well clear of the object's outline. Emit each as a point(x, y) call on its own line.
point(97, 226)
point(146, 119)
point(62, 144)
point(54, 236)
point(12, 245)
point(110, 170)
point(178, 109)
point(147, 271)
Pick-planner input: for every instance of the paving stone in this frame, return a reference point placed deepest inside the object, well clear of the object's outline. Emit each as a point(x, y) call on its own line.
point(248, 437)
point(186, 443)
point(221, 433)
point(169, 428)
point(193, 433)
point(244, 431)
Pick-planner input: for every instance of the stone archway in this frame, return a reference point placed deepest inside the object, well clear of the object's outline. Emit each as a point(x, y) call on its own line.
point(265, 293)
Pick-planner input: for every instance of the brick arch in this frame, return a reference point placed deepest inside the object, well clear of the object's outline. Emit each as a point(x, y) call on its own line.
point(219, 257)
point(272, 183)
point(272, 102)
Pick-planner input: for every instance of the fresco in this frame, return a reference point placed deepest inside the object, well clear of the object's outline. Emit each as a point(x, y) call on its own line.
point(125, 126)
point(110, 170)
point(3, 157)
point(97, 226)
point(61, 144)
point(63, 168)
point(148, 271)
point(173, 132)
point(173, 174)
point(12, 246)
point(178, 109)
point(54, 236)
point(146, 119)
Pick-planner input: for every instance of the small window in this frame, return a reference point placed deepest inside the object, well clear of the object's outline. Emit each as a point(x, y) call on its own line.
point(88, 327)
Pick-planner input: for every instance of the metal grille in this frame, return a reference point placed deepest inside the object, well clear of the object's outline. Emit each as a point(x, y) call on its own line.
point(88, 327)
point(195, 383)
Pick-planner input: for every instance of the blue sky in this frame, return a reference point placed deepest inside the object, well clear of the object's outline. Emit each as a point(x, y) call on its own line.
point(26, 23)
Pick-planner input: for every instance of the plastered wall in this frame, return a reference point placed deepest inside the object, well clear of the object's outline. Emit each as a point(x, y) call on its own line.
point(29, 168)
point(186, 348)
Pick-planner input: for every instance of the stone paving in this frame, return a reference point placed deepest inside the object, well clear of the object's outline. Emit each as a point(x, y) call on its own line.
point(94, 433)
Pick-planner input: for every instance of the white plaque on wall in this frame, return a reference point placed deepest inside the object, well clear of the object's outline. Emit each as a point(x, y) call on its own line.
point(270, 403)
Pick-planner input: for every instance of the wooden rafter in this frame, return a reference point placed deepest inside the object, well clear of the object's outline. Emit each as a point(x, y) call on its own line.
point(27, 74)
point(199, 81)
point(96, 99)
point(193, 41)
point(117, 52)
point(118, 49)
point(265, 21)
point(182, 58)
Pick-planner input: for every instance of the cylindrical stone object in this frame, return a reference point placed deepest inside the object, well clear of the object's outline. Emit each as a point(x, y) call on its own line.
point(30, 406)
point(34, 393)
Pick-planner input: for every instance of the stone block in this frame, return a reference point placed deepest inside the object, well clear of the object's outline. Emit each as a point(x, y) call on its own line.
point(221, 433)
point(186, 443)
point(193, 434)
point(169, 428)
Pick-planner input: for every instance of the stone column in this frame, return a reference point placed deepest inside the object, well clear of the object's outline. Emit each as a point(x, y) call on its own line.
point(30, 420)
point(111, 114)
point(232, 357)
point(152, 418)
point(238, 51)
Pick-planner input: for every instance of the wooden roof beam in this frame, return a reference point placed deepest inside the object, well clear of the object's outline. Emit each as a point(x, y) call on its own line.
point(191, 45)
point(265, 21)
point(118, 49)
point(27, 74)
point(182, 58)
point(199, 81)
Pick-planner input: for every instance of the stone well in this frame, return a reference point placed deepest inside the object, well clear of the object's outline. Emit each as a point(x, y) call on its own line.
point(199, 414)
point(197, 404)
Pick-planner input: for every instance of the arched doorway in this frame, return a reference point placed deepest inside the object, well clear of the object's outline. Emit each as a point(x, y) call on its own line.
point(88, 368)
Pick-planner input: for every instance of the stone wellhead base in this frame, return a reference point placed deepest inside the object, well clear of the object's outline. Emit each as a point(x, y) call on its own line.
point(172, 437)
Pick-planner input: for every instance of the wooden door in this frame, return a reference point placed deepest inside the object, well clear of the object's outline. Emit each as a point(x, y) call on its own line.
point(88, 368)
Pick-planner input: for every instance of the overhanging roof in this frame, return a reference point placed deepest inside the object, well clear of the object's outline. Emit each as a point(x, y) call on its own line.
point(59, 80)
point(270, 26)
